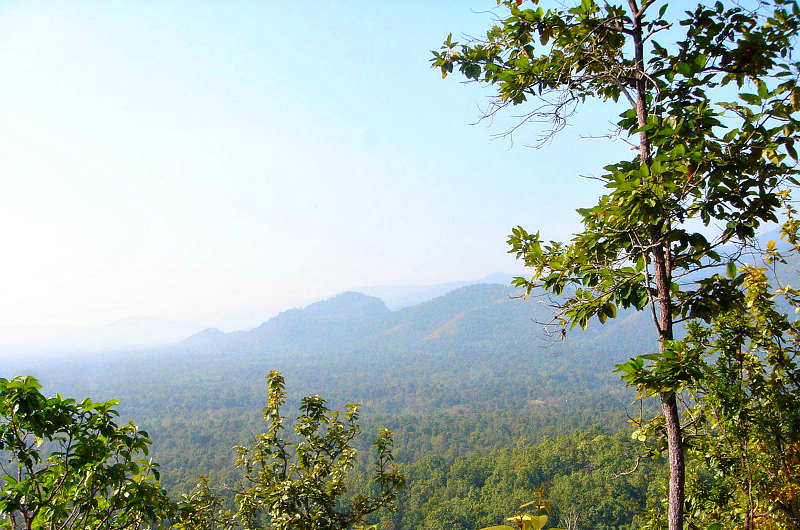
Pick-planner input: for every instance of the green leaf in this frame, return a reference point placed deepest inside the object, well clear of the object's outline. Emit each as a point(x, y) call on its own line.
point(750, 98)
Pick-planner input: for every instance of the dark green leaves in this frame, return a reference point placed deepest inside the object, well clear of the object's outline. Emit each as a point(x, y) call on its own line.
point(665, 373)
point(71, 466)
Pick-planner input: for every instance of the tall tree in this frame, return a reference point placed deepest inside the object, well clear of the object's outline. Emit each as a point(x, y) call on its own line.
point(700, 156)
point(743, 402)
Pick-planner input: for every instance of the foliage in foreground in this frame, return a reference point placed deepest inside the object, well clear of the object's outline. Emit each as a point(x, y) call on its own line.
point(298, 483)
point(68, 465)
point(530, 521)
point(740, 382)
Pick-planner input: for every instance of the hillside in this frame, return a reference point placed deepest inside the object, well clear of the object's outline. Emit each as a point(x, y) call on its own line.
point(472, 365)
point(472, 370)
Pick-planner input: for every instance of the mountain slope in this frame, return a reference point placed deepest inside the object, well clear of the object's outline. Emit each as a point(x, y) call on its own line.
point(474, 360)
point(400, 296)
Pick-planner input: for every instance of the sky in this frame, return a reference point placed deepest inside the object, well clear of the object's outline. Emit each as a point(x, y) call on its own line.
point(214, 163)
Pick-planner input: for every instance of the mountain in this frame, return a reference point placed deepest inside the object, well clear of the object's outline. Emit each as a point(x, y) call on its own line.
point(206, 337)
point(467, 333)
point(399, 296)
point(319, 327)
point(476, 318)
point(474, 360)
point(146, 332)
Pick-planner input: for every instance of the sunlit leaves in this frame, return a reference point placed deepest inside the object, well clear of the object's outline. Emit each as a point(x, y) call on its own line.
point(298, 484)
point(68, 465)
point(529, 521)
point(748, 410)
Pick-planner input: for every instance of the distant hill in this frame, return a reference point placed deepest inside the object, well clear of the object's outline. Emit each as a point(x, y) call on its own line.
point(320, 327)
point(475, 318)
point(355, 336)
point(476, 359)
point(398, 296)
point(203, 338)
point(147, 332)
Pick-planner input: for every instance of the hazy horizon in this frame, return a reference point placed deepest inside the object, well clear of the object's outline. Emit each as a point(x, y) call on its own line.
point(144, 332)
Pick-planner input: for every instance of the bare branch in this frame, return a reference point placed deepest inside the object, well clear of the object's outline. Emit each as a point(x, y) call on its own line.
point(639, 459)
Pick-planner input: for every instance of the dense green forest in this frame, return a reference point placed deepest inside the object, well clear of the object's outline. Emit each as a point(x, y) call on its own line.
point(483, 413)
point(490, 380)
point(495, 404)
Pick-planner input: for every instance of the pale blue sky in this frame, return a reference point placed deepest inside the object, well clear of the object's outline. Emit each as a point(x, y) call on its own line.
point(215, 162)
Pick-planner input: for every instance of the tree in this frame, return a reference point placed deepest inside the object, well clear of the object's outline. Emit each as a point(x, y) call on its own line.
point(747, 410)
point(700, 160)
point(746, 406)
point(743, 409)
point(68, 465)
point(299, 485)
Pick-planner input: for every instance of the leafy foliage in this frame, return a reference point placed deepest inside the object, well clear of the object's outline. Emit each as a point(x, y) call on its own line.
point(69, 465)
point(748, 413)
point(294, 485)
point(747, 407)
point(528, 521)
point(743, 403)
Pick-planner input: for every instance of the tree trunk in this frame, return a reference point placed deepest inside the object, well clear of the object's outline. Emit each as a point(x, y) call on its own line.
point(662, 273)
point(669, 405)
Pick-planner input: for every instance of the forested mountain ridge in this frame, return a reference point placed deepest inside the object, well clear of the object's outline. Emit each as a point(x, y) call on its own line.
point(399, 296)
point(322, 326)
point(477, 316)
point(468, 371)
